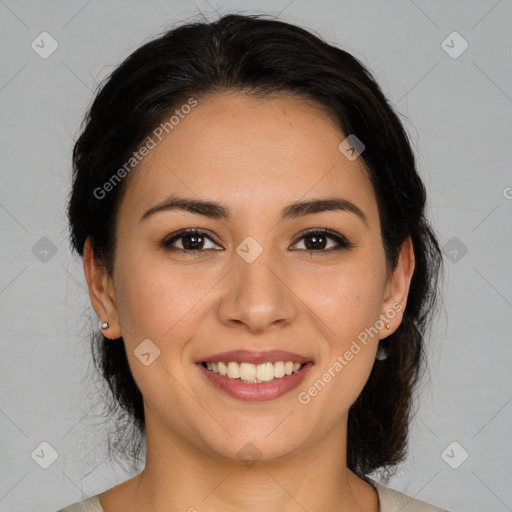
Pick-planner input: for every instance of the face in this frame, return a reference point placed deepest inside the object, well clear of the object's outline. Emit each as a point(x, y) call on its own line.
point(249, 280)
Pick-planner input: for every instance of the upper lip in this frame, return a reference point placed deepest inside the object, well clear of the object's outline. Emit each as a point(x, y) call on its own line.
point(255, 357)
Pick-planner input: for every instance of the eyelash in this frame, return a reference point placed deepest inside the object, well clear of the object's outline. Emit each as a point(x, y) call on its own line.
point(342, 241)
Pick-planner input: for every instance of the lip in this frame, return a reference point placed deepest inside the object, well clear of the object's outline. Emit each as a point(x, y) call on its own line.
point(256, 392)
point(250, 356)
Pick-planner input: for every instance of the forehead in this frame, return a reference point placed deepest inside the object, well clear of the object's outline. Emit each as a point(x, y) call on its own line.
point(247, 152)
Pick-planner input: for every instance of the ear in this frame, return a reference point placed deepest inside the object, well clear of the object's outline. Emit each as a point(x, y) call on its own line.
point(101, 292)
point(397, 289)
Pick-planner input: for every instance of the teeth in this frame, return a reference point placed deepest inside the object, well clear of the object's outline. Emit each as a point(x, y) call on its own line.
point(279, 369)
point(265, 372)
point(254, 373)
point(247, 372)
point(223, 368)
point(233, 370)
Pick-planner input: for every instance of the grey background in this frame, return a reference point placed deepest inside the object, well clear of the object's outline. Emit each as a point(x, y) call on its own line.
point(458, 111)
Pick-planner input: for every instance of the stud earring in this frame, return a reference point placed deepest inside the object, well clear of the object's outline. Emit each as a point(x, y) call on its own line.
point(388, 327)
point(104, 325)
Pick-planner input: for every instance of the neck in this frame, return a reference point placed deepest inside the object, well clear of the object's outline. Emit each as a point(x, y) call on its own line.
point(179, 476)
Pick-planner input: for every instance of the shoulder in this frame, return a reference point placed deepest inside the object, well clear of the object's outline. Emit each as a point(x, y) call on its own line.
point(91, 504)
point(395, 501)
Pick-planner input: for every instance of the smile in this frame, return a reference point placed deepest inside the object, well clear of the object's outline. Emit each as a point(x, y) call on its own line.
point(255, 382)
point(254, 373)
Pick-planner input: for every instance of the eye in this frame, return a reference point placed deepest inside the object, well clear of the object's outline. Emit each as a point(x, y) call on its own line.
point(318, 240)
point(193, 240)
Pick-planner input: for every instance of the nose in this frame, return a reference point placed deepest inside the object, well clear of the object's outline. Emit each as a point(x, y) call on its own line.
point(258, 296)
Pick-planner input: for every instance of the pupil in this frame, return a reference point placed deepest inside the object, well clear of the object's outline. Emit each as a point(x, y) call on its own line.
point(192, 245)
point(316, 242)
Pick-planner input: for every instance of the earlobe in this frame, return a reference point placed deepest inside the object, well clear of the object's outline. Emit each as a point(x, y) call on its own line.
point(397, 288)
point(101, 292)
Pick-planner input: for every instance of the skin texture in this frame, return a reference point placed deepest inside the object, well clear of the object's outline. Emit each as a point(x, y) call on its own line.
point(255, 156)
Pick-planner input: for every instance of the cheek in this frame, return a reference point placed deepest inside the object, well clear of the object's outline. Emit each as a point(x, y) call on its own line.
point(348, 299)
point(159, 302)
point(152, 305)
point(348, 303)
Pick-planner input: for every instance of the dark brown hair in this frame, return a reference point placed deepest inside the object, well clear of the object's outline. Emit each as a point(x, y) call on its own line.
point(259, 56)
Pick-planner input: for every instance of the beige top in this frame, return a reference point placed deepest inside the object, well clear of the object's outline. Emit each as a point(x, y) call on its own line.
point(389, 500)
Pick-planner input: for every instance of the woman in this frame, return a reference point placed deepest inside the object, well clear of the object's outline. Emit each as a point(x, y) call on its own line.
point(254, 240)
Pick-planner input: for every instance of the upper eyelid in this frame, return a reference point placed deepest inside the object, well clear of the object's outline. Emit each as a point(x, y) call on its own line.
point(189, 231)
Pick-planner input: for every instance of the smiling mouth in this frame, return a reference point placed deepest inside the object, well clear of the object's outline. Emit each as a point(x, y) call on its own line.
point(254, 373)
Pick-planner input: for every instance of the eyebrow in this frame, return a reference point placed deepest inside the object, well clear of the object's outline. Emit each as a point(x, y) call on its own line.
point(215, 210)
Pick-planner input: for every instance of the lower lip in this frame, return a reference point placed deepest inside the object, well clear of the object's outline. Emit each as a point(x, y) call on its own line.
point(257, 392)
